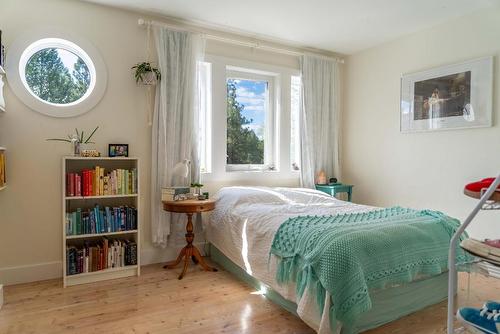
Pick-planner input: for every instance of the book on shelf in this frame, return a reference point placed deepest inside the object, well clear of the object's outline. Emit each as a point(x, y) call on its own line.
point(100, 255)
point(101, 220)
point(96, 182)
point(3, 179)
point(171, 193)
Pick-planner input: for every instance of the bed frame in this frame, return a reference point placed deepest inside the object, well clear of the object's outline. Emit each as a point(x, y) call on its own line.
point(388, 304)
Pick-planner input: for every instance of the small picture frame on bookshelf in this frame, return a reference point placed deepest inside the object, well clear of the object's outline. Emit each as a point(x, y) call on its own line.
point(118, 150)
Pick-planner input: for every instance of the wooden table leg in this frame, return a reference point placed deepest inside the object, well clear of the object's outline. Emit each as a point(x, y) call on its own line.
point(187, 256)
point(173, 264)
point(202, 262)
point(189, 252)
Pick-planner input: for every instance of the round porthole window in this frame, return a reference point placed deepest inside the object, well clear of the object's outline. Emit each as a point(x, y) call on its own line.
point(56, 76)
point(57, 71)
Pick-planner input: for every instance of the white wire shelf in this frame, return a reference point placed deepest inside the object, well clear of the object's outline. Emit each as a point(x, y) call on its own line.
point(483, 204)
point(490, 205)
point(480, 266)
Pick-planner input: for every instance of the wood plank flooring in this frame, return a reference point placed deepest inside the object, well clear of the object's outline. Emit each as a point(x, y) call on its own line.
point(157, 302)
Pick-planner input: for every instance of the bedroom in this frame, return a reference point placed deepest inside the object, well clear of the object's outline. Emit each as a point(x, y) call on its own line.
point(362, 56)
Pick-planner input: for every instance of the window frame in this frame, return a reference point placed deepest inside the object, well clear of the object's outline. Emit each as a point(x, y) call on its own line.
point(298, 149)
point(62, 44)
point(270, 150)
point(28, 44)
point(206, 116)
point(219, 175)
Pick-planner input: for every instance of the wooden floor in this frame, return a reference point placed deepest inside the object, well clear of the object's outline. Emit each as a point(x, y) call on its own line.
point(156, 302)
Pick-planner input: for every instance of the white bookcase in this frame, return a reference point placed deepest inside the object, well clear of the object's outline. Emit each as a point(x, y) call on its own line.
point(2, 100)
point(3, 185)
point(71, 203)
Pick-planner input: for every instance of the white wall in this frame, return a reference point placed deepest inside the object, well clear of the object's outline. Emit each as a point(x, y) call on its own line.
point(30, 208)
point(423, 170)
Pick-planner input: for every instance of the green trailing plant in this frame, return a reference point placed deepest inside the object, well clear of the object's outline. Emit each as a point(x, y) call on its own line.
point(196, 185)
point(78, 137)
point(142, 68)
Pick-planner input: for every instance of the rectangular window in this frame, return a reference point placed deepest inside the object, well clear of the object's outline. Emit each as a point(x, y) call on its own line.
point(250, 120)
point(205, 116)
point(295, 101)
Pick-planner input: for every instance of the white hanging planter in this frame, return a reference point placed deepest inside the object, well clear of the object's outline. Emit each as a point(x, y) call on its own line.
point(148, 76)
point(149, 79)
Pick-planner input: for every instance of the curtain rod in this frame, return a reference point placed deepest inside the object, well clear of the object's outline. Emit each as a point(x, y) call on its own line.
point(228, 40)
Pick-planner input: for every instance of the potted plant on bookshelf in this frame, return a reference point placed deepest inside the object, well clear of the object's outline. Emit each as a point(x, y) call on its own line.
point(146, 74)
point(78, 142)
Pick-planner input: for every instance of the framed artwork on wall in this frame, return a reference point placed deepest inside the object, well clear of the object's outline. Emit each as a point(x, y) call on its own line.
point(455, 96)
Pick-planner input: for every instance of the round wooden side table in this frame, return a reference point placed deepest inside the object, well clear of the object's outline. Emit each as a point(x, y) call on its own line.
point(189, 207)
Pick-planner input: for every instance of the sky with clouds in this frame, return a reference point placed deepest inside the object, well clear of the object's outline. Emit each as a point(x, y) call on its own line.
point(252, 95)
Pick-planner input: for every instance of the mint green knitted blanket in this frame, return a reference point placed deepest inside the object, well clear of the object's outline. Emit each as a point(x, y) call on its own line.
point(349, 254)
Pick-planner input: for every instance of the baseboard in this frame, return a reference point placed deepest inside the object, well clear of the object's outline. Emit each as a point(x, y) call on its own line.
point(31, 273)
point(153, 255)
point(51, 270)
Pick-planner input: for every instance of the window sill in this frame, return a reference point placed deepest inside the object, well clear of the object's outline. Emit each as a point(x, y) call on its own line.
point(251, 168)
point(261, 178)
point(252, 171)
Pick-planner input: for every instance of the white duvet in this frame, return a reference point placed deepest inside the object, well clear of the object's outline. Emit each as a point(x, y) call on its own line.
point(243, 226)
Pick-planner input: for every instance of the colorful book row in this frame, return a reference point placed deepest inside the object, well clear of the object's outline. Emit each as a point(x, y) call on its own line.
point(101, 220)
point(100, 255)
point(95, 182)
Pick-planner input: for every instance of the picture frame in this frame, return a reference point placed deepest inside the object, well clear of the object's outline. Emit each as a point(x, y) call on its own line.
point(118, 150)
point(456, 96)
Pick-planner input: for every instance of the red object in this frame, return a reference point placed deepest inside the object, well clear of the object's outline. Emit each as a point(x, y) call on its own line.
point(493, 243)
point(474, 189)
point(78, 185)
point(68, 184)
point(86, 183)
point(71, 184)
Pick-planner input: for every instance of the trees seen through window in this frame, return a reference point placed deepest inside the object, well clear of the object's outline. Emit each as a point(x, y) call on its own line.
point(57, 76)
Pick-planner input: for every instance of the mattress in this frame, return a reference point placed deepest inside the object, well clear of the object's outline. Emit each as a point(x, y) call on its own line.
point(242, 228)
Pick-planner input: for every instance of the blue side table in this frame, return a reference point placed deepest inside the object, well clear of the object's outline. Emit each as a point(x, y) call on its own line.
point(335, 188)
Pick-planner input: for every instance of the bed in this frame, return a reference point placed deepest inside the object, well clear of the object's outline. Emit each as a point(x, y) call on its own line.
point(241, 231)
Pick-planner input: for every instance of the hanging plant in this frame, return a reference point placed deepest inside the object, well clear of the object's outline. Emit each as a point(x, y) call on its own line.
point(146, 73)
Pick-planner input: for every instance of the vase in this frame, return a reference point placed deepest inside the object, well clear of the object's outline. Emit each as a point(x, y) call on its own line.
point(76, 148)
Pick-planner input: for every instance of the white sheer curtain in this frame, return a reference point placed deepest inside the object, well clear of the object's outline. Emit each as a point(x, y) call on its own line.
point(319, 117)
point(175, 122)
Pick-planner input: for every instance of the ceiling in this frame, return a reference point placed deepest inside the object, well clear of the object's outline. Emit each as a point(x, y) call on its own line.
point(344, 26)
